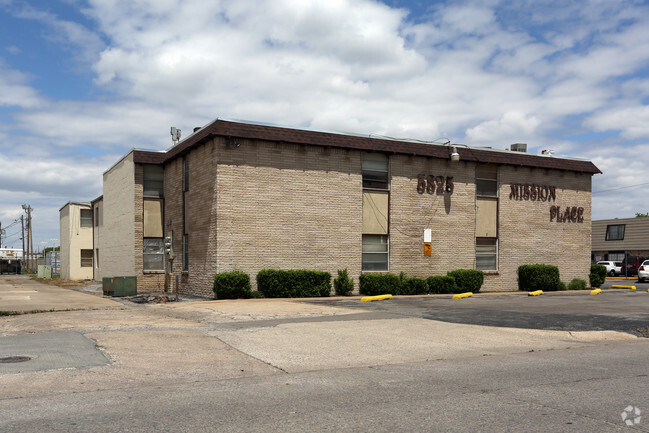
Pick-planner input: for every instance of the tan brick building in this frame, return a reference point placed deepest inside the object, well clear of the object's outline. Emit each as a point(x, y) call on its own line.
point(245, 196)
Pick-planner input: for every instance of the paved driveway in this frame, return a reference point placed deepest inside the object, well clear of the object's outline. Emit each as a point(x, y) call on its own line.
point(614, 310)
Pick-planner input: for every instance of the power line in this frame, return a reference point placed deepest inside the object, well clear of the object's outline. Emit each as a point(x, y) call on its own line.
point(622, 187)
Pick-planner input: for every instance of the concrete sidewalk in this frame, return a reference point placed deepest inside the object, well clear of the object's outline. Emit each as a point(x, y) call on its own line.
point(21, 294)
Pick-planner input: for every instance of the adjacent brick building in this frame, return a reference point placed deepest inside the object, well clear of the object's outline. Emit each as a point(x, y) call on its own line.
point(246, 196)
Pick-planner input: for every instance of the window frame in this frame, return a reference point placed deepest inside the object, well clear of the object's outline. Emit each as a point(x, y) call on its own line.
point(368, 183)
point(493, 253)
point(87, 221)
point(386, 253)
point(86, 259)
point(608, 232)
point(185, 252)
point(152, 187)
point(145, 254)
point(185, 174)
point(481, 180)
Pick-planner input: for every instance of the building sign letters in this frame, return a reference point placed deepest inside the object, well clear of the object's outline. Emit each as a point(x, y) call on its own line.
point(532, 192)
point(434, 184)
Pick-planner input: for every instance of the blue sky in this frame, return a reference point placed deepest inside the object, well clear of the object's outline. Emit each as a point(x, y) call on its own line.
point(84, 81)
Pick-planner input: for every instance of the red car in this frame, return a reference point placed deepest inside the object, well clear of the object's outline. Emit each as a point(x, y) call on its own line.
point(631, 264)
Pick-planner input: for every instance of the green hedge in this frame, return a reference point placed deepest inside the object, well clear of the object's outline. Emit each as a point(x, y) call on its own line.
point(343, 285)
point(379, 284)
point(469, 280)
point(577, 284)
point(413, 286)
point(232, 285)
point(439, 284)
point(275, 283)
point(597, 275)
point(539, 277)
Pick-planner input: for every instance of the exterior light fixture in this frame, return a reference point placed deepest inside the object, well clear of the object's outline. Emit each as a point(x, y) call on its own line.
point(455, 156)
point(232, 143)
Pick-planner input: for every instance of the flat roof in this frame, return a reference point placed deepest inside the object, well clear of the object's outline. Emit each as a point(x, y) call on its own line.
point(369, 143)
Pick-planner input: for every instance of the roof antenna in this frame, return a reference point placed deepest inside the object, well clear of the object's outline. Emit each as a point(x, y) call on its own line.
point(175, 135)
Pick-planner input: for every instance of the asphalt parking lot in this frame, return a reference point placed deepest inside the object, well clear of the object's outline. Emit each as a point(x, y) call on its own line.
point(612, 310)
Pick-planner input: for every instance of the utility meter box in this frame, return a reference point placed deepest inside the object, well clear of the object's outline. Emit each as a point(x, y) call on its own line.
point(119, 286)
point(45, 272)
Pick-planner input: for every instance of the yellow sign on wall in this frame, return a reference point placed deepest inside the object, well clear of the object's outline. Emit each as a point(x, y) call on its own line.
point(427, 249)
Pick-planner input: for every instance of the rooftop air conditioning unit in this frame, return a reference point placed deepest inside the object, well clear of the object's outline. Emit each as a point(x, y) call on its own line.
point(518, 147)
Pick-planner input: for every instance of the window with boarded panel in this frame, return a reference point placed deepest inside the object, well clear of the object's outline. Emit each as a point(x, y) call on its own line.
point(375, 212)
point(152, 218)
point(486, 218)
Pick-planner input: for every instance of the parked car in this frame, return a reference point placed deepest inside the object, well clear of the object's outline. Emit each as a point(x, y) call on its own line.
point(631, 265)
point(612, 268)
point(643, 271)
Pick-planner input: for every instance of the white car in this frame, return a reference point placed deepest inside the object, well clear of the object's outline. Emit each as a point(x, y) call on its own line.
point(612, 268)
point(643, 271)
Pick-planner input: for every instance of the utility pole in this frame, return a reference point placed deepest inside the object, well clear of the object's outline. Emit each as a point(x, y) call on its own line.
point(22, 237)
point(30, 241)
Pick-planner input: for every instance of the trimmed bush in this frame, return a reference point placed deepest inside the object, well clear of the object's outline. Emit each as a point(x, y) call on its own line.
point(414, 286)
point(597, 275)
point(577, 284)
point(379, 284)
point(256, 294)
point(274, 283)
point(231, 285)
point(343, 285)
point(469, 280)
point(439, 284)
point(539, 277)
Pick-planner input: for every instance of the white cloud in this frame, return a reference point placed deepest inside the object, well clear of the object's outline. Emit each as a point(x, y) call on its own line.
point(483, 73)
point(15, 91)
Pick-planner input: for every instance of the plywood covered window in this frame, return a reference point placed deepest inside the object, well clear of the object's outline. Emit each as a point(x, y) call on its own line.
point(375, 212)
point(486, 218)
point(152, 218)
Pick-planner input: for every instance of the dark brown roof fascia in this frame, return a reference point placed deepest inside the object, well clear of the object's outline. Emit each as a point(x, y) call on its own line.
point(225, 128)
point(148, 157)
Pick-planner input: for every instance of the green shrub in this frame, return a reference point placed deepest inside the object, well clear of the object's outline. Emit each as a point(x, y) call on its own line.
point(577, 284)
point(231, 285)
point(343, 284)
point(414, 286)
point(597, 275)
point(256, 294)
point(439, 284)
point(539, 277)
point(469, 280)
point(274, 283)
point(379, 284)
point(562, 286)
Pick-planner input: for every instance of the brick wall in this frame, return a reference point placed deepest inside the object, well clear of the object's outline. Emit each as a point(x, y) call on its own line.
point(147, 281)
point(277, 205)
point(451, 217)
point(116, 238)
point(268, 205)
point(527, 236)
